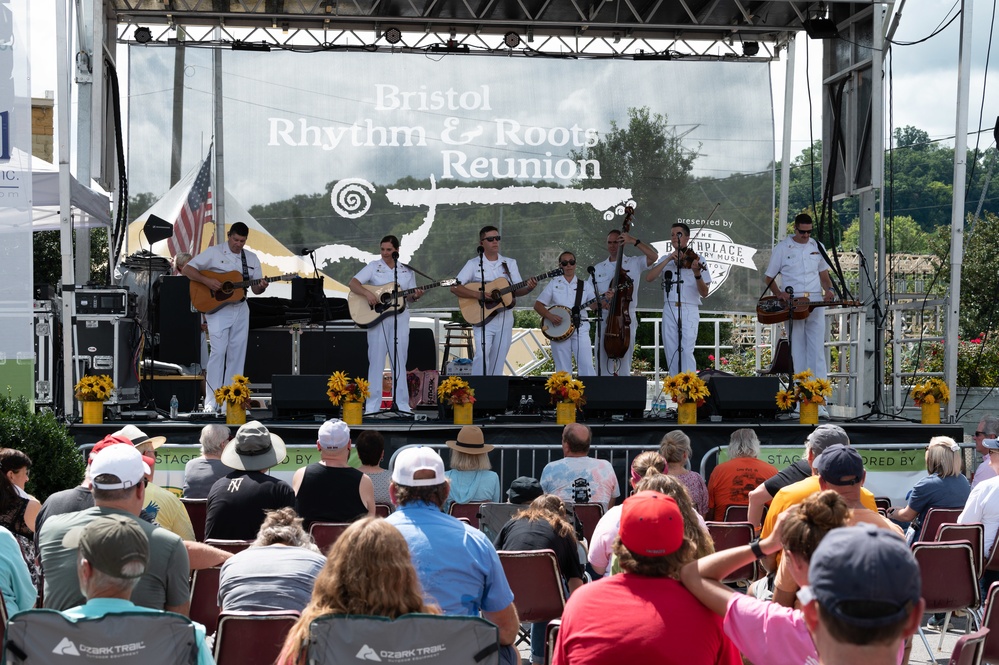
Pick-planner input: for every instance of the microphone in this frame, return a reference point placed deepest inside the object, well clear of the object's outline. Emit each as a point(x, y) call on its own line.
point(306, 251)
point(667, 280)
point(860, 253)
point(480, 249)
point(789, 290)
point(591, 270)
point(395, 256)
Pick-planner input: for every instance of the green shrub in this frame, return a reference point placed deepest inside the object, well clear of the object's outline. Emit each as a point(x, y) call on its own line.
point(56, 461)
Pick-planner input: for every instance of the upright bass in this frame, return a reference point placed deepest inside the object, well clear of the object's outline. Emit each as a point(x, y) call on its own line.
point(617, 335)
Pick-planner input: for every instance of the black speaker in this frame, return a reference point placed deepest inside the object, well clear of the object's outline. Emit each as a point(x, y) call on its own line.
point(307, 292)
point(614, 395)
point(744, 396)
point(179, 326)
point(531, 386)
point(422, 350)
point(492, 394)
point(299, 395)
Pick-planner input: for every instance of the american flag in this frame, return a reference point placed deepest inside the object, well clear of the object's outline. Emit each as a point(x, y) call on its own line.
point(196, 212)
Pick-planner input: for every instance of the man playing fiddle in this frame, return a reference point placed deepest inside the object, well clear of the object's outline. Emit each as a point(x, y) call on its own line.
point(687, 282)
point(632, 266)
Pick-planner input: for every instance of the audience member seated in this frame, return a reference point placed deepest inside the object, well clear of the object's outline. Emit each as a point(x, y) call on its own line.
point(644, 615)
point(370, 447)
point(457, 565)
point(731, 481)
point(577, 477)
point(16, 586)
point(368, 572)
point(237, 502)
point(675, 449)
point(944, 487)
point(277, 572)
point(864, 597)
point(605, 533)
point(763, 631)
point(470, 477)
point(983, 506)
point(544, 526)
point(113, 554)
point(330, 490)
point(523, 490)
point(18, 509)
point(201, 472)
point(117, 477)
point(988, 428)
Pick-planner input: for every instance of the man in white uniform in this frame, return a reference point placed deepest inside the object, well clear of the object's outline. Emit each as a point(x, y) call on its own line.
point(563, 291)
point(498, 332)
point(802, 266)
point(381, 336)
point(633, 266)
point(228, 327)
point(682, 301)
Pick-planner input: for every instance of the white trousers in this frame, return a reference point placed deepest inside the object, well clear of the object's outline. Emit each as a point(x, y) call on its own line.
point(228, 330)
point(620, 367)
point(577, 344)
point(808, 344)
point(689, 316)
point(381, 337)
point(499, 335)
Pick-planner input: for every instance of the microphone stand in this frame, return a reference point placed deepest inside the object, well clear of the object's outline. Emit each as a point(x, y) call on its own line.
point(395, 332)
point(789, 290)
point(482, 308)
point(599, 319)
point(679, 321)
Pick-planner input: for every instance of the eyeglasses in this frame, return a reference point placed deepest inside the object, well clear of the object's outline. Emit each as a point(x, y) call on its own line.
point(805, 232)
point(570, 262)
point(492, 238)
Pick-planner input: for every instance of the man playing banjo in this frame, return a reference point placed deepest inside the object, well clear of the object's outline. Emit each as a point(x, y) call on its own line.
point(559, 305)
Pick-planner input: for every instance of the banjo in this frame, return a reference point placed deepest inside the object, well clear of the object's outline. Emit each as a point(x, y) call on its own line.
point(564, 329)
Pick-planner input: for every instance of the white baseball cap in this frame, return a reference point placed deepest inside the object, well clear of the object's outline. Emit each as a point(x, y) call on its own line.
point(418, 458)
point(334, 434)
point(121, 461)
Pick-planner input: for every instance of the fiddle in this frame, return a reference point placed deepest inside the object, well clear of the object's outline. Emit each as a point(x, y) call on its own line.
point(686, 257)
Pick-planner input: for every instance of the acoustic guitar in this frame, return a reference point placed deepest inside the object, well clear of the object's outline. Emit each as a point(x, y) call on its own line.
point(233, 289)
point(366, 315)
point(499, 296)
point(772, 309)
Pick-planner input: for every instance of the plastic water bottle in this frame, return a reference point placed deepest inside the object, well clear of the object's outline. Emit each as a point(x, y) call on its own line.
point(523, 403)
point(174, 407)
point(530, 404)
point(658, 406)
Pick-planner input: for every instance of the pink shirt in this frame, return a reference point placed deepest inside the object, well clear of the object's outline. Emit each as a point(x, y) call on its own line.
point(769, 633)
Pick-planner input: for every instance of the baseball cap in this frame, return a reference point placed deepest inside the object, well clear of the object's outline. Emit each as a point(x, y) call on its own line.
point(112, 439)
point(651, 524)
point(864, 576)
point(826, 435)
point(418, 458)
point(524, 490)
point(334, 434)
point(840, 465)
point(991, 444)
point(109, 542)
point(123, 462)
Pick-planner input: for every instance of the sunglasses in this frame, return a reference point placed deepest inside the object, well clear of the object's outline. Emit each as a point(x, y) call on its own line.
point(570, 262)
point(979, 433)
point(805, 232)
point(492, 238)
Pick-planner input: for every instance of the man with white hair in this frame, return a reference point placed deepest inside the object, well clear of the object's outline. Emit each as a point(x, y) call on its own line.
point(731, 481)
point(112, 556)
point(117, 476)
point(201, 472)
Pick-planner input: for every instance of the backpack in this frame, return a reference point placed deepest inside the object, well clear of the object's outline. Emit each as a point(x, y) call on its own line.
point(146, 638)
point(423, 638)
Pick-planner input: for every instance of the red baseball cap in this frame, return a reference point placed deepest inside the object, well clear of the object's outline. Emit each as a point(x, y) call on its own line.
point(111, 440)
point(651, 524)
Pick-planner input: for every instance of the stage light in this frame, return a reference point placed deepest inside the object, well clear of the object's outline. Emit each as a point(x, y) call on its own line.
point(819, 25)
point(393, 35)
point(511, 39)
point(143, 35)
point(749, 49)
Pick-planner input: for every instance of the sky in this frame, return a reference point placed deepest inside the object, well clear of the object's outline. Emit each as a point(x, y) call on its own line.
point(922, 93)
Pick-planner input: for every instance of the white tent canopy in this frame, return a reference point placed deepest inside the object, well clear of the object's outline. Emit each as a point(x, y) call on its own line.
point(93, 206)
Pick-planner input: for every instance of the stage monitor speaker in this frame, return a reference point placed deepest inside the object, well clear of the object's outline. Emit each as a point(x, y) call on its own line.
point(614, 396)
point(179, 326)
point(744, 396)
point(492, 394)
point(307, 292)
point(299, 395)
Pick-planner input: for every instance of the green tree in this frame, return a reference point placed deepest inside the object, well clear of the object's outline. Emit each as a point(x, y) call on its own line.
point(904, 236)
point(979, 279)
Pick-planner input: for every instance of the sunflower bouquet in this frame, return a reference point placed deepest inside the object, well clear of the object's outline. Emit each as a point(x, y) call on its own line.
point(454, 390)
point(95, 388)
point(930, 391)
point(341, 389)
point(236, 394)
point(806, 388)
point(565, 389)
point(687, 387)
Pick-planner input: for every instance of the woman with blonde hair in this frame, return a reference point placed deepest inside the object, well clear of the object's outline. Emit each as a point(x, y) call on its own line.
point(675, 448)
point(368, 571)
point(944, 487)
point(471, 476)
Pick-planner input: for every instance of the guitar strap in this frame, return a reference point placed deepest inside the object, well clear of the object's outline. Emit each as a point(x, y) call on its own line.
point(246, 272)
point(506, 271)
point(579, 301)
